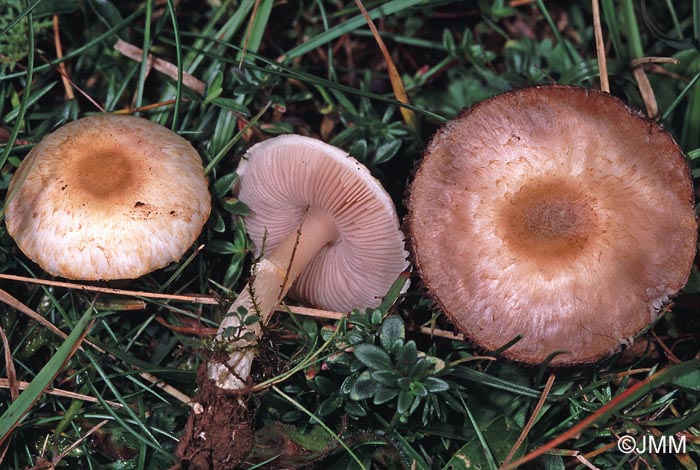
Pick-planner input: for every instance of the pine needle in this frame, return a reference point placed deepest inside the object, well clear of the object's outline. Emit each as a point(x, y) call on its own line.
point(397, 85)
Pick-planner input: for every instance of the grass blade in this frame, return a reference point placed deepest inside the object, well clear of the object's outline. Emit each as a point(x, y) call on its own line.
point(320, 423)
point(386, 9)
point(630, 395)
point(16, 411)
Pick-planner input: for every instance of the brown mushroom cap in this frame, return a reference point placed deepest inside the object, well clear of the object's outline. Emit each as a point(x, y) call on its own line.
point(291, 177)
point(555, 213)
point(108, 197)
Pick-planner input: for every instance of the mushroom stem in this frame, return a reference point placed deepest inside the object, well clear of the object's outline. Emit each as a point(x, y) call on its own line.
point(273, 277)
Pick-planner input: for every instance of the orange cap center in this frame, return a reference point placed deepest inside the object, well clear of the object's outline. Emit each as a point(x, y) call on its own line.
point(549, 218)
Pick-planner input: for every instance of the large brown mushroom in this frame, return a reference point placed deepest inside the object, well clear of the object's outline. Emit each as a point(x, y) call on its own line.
point(108, 197)
point(555, 214)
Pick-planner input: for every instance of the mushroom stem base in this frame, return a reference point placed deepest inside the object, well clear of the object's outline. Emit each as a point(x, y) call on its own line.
point(219, 431)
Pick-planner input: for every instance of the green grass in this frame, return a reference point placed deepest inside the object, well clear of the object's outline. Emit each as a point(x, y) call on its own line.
point(312, 67)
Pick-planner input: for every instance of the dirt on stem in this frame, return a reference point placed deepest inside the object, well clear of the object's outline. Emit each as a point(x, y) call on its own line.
point(220, 434)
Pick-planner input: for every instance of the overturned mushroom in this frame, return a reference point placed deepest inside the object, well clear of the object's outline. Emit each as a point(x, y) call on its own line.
point(108, 197)
point(328, 229)
point(556, 214)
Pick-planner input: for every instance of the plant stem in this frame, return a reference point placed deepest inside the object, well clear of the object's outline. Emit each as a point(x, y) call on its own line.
point(634, 39)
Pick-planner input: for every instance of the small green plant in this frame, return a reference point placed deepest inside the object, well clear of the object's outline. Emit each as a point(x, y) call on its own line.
point(382, 369)
point(13, 44)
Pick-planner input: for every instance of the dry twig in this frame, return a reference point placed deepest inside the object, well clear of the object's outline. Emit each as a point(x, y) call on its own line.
point(21, 385)
point(600, 48)
point(162, 66)
point(193, 298)
point(10, 367)
point(396, 82)
point(533, 419)
point(59, 55)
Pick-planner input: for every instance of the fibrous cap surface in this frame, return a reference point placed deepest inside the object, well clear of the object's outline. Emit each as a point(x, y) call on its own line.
point(554, 213)
point(108, 197)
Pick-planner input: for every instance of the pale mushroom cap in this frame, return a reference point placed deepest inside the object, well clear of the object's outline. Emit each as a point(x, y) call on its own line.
point(282, 176)
point(555, 213)
point(108, 197)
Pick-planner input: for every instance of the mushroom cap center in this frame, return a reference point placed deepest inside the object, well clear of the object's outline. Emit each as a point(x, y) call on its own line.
point(103, 173)
point(551, 218)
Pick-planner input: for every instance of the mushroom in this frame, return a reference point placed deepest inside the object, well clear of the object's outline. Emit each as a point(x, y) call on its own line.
point(555, 214)
point(108, 197)
point(325, 228)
